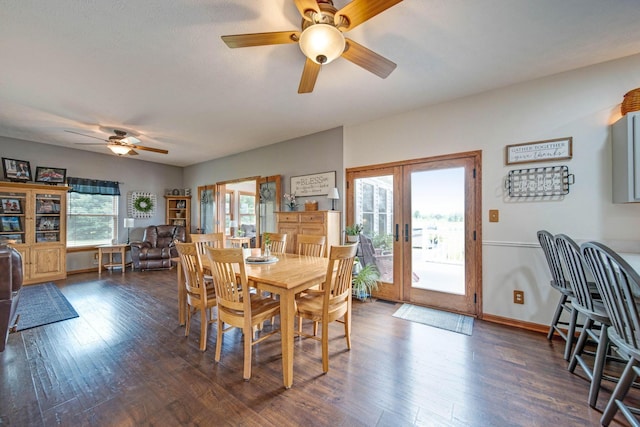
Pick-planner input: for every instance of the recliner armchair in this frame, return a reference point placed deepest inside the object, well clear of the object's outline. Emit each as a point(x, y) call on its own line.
point(157, 247)
point(10, 286)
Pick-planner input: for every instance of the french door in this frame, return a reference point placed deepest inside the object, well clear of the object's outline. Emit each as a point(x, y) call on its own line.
point(421, 222)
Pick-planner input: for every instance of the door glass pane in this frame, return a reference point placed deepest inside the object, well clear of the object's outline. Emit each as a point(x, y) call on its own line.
point(374, 210)
point(268, 193)
point(207, 211)
point(437, 238)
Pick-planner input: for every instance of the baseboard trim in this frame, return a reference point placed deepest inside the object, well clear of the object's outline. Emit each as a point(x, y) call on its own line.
point(535, 327)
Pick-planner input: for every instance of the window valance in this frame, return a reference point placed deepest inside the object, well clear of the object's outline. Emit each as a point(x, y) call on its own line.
point(93, 186)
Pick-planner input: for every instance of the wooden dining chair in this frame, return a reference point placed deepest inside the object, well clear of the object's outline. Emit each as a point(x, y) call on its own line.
point(214, 240)
point(619, 286)
point(311, 245)
point(200, 298)
point(333, 301)
point(278, 242)
point(237, 307)
point(596, 318)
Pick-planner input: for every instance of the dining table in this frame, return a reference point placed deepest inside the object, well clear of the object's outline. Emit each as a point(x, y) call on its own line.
point(288, 276)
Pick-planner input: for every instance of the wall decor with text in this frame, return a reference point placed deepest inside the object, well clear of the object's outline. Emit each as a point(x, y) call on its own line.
point(539, 151)
point(317, 184)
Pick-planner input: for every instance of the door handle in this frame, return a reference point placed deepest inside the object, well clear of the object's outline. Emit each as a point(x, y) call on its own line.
point(397, 235)
point(406, 232)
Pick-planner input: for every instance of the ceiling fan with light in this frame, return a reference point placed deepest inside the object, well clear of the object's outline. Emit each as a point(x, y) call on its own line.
point(121, 144)
point(322, 39)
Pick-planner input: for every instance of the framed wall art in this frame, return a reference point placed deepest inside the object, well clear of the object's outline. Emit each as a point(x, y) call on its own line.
point(50, 175)
point(16, 170)
point(317, 184)
point(539, 151)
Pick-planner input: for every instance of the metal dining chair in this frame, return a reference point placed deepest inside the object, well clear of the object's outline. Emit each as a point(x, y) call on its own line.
point(619, 286)
point(596, 318)
point(559, 283)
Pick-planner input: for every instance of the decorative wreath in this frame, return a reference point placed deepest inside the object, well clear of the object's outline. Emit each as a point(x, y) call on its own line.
point(143, 204)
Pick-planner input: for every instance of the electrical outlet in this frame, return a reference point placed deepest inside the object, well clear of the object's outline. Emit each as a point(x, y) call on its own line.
point(518, 297)
point(494, 215)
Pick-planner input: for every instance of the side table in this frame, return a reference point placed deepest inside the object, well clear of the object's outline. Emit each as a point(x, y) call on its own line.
point(110, 250)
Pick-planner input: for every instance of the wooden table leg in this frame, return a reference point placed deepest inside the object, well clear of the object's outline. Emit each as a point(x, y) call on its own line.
point(287, 320)
point(99, 262)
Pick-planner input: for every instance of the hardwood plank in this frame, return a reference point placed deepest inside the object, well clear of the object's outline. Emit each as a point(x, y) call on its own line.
point(126, 361)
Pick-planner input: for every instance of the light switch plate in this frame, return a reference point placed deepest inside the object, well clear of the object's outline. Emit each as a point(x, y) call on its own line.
point(494, 215)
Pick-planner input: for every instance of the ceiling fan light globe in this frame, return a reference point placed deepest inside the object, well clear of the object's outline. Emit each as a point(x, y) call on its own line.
point(120, 150)
point(322, 43)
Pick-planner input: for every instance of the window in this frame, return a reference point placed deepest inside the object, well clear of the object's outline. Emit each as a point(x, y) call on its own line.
point(92, 219)
point(92, 212)
point(367, 209)
point(382, 211)
point(247, 208)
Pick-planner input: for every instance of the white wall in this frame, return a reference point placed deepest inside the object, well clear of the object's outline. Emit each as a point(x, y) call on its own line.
point(581, 104)
point(132, 174)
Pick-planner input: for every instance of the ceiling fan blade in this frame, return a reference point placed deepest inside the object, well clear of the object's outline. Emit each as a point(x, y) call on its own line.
point(368, 59)
point(309, 76)
point(83, 134)
point(359, 11)
point(306, 5)
point(140, 147)
point(89, 143)
point(132, 153)
point(261, 39)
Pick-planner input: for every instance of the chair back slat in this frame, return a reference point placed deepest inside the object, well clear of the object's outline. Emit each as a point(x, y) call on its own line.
point(232, 290)
point(278, 242)
point(340, 273)
point(619, 287)
point(550, 250)
point(310, 245)
point(192, 269)
point(214, 240)
point(570, 253)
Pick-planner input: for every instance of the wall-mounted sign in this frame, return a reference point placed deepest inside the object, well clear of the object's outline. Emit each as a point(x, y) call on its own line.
point(539, 151)
point(317, 184)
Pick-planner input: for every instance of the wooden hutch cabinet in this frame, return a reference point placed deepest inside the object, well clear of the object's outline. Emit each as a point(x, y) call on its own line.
point(178, 211)
point(34, 219)
point(322, 223)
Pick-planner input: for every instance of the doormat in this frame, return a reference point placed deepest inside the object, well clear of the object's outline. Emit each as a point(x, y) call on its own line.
point(438, 319)
point(41, 305)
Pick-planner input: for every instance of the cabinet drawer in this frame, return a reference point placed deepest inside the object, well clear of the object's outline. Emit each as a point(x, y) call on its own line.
point(312, 217)
point(288, 217)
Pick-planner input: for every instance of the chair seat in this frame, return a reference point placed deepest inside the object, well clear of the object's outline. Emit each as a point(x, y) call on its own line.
point(261, 309)
point(599, 313)
point(310, 306)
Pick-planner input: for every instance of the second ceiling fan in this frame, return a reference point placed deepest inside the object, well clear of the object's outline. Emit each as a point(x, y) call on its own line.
point(321, 37)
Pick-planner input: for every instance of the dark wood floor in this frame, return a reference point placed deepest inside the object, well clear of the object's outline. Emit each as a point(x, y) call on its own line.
point(125, 362)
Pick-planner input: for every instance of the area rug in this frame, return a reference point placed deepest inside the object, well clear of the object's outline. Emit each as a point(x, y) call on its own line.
point(41, 305)
point(436, 318)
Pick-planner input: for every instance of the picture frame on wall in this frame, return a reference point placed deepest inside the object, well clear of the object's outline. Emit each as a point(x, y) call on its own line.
point(49, 175)
point(16, 170)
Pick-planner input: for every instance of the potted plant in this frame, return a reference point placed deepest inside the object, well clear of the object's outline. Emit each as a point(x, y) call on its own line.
point(365, 281)
point(352, 232)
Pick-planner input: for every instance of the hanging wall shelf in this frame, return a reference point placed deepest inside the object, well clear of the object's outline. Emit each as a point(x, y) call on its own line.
point(539, 182)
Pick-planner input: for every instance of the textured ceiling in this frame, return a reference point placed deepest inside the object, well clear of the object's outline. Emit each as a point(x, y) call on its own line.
point(159, 68)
